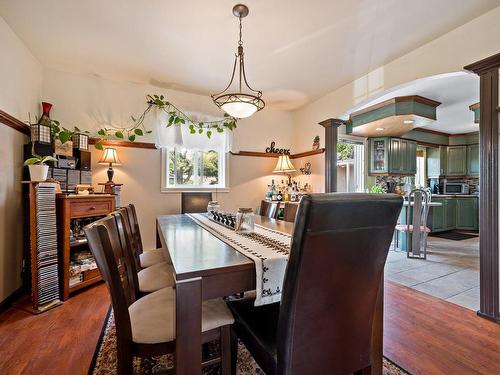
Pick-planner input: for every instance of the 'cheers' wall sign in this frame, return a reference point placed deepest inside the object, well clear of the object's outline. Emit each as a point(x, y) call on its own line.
point(272, 150)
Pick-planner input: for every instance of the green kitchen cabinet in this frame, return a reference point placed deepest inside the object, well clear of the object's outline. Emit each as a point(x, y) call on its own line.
point(456, 161)
point(473, 160)
point(435, 218)
point(436, 161)
point(450, 213)
point(467, 213)
point(392, 156)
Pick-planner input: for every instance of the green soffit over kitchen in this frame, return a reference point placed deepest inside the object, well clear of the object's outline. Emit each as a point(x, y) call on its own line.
point(404, 105)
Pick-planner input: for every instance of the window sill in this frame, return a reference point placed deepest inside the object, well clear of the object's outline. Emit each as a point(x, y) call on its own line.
point(181, 189)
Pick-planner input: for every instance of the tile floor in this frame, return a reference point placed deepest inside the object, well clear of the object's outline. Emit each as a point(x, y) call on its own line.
point(451, 271)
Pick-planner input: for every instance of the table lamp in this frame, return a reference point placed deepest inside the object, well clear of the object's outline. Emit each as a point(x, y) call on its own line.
point(285, 166)
point(110, 156)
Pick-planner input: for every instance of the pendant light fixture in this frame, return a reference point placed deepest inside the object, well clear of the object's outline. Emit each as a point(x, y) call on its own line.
point(245, 101)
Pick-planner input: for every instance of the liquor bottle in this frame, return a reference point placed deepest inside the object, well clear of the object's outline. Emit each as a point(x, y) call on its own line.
point(279, 196)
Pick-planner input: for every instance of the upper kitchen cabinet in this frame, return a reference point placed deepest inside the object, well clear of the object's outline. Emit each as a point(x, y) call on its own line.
point(436, 161)
point(456, 161)
point(473, 160)
point(392, 156)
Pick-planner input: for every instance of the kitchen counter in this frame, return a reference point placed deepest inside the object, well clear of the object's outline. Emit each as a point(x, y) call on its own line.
point(455, 196)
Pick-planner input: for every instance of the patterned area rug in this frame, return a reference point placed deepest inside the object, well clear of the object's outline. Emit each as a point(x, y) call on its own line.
point(104, 360)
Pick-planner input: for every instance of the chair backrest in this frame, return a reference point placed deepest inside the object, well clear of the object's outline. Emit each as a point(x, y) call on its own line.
point(195, 202)
point(290, 211)
point(269, 209)
point(128, 240)
point(416, 215)
point(116, 268)
point(134, 225)
point(336, 264)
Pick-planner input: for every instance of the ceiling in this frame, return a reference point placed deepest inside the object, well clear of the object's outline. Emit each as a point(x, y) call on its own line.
point(455, 91)
point(296, 50)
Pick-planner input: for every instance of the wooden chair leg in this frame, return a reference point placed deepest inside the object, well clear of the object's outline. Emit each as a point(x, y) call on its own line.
point(234, 351)
point(364, 371)
point(225, 349)
point(124, 361)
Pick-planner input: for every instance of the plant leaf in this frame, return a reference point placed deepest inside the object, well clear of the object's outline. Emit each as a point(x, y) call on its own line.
point(101, 132)
point(138, 132)
point(64, 136)
point(209, 133)
point(118, 134)
point(98, 146)
point(32, 161)
point(149, 131)
point(131, 138)
point(200, 131)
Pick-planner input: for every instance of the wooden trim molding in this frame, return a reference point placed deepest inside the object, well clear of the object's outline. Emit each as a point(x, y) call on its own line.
point(475, 106)
point(483, 66)
point(14, 123)
point(272, 155)
point(307, 153)
point(117, 143)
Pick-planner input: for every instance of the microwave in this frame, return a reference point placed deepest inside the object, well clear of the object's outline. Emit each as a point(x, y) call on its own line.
point(455, 188)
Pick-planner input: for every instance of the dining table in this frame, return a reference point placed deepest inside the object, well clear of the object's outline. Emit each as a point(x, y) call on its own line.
point(205, 267)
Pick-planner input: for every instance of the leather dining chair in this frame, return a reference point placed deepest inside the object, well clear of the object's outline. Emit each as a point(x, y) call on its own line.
point(269, 209)
point(145, 326)
point(195, 202)
point(149, 279)
point(323, 324)
point(146, 258)
point(290, 211)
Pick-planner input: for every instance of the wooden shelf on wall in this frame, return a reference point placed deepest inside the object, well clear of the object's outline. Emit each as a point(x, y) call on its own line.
point(272, 155)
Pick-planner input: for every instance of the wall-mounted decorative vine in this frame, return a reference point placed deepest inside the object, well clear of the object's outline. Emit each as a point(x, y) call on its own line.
point(175, 118)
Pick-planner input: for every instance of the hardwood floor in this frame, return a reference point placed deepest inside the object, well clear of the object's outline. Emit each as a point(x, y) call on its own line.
point(423, 334)
point(59, 341)
point(427, 335)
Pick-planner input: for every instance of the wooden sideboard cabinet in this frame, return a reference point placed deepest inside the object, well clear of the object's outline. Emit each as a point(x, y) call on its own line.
point(70, 208)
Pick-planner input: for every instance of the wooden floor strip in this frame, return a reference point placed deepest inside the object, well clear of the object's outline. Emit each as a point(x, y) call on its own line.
point(422, 334)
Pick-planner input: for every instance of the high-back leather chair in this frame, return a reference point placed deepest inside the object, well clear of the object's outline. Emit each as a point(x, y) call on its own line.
point(290, 211)
point(269, 209)
point(324, 322)
point(195, 202)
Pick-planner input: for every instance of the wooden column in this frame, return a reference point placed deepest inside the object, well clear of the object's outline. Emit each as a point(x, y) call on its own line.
point(487, 70)
point(331, 139)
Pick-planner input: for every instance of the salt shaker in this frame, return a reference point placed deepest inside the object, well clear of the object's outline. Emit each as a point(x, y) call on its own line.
point(245, 222)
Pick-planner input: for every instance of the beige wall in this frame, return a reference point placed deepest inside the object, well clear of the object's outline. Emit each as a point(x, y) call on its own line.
point(95, 101)
point(20, 88)
point(466, 44)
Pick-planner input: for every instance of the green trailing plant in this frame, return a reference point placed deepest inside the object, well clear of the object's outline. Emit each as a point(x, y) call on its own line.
point(38, 160)
point(63, 134)
point(377, 189)
point(346, 151)
point(316, 139)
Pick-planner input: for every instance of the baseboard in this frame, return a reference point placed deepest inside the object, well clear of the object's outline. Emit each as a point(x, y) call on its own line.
point(13, 297)
point(491, 318)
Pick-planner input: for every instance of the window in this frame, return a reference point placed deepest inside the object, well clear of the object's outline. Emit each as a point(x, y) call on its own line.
point(420, 176)
point(185, 169)
point(350, 166)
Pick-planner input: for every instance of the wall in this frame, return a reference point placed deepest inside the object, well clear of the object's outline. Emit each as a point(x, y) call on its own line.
point(88, 102)
point(21, 81)
point(466, 44)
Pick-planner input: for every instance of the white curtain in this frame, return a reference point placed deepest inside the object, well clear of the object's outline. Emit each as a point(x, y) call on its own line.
point(180, 136)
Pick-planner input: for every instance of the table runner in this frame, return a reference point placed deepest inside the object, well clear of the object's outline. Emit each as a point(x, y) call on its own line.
point(268, 248)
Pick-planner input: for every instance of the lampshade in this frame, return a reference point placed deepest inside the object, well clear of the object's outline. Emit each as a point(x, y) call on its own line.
point(239, 109)
point(284, 165)
point(109, 156)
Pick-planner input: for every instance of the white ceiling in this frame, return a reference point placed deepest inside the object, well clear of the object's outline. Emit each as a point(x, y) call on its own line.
point(296, 50)
point(456, 92)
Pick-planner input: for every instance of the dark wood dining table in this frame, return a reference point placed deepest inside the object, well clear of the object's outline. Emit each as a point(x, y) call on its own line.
point(206, 267)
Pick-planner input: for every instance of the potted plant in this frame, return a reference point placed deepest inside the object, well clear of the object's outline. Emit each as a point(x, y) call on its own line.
point(37, 167)
point(316, 143)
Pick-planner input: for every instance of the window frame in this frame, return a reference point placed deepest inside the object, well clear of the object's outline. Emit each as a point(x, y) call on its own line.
point(165, 188)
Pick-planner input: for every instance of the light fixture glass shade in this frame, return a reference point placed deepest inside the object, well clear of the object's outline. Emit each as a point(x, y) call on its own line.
point(239, 109)
point(284, 165)
point(109, 156)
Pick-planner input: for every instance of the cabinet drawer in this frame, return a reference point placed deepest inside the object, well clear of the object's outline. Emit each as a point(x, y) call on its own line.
point(81, 209)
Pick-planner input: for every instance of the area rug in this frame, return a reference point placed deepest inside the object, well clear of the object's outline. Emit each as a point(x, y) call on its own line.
point(455, 236)
point(104, 360)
